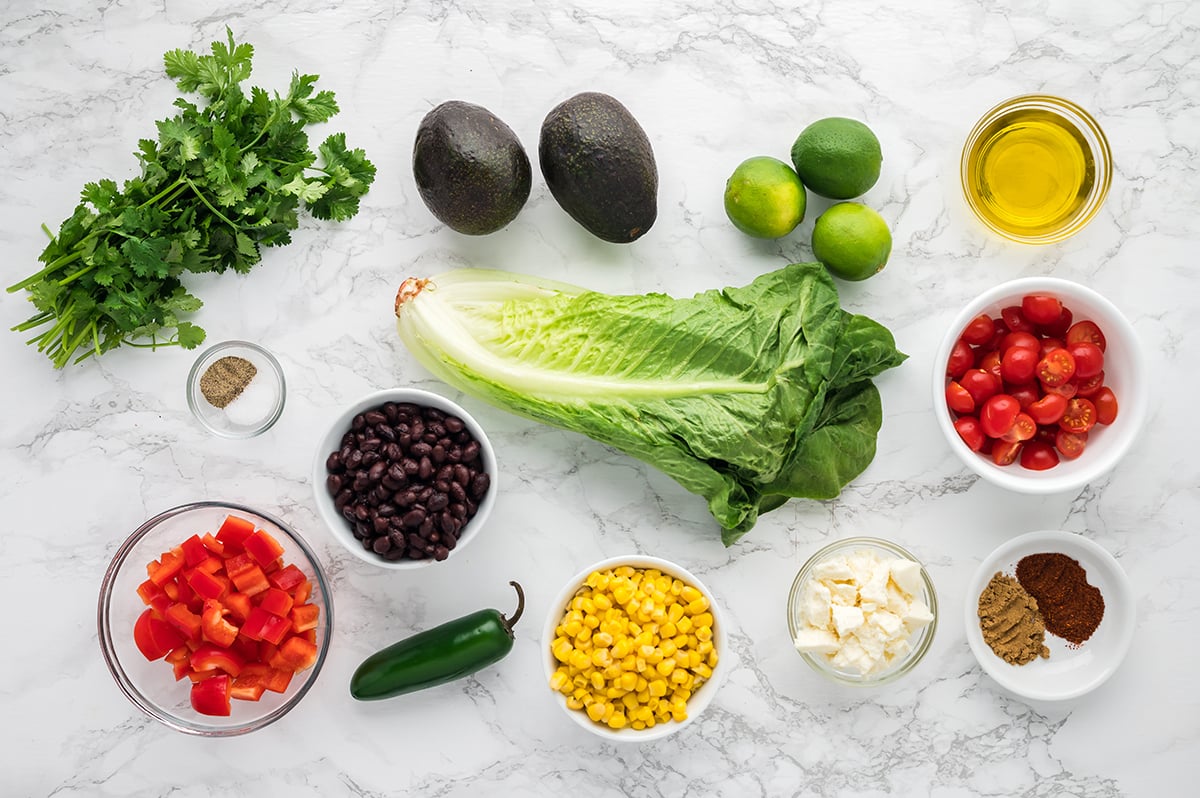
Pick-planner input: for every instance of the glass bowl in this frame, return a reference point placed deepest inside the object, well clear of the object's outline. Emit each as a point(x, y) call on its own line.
point(698, 701)
point(255, 409)
point(150, 685)
point(919, 640)
point(1124, 372)
point(1036, 169)
point(345, 531)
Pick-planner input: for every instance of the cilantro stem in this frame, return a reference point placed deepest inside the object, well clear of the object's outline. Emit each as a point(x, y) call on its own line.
point(209, 205)
point(177, 186)
point(57, 263)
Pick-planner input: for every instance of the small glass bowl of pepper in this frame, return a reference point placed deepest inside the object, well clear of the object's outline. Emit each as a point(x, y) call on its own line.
point(236, 389)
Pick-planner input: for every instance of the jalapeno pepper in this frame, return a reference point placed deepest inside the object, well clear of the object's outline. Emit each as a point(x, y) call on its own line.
point(451, 651)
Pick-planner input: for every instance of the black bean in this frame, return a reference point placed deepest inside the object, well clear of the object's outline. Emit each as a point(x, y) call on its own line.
point(386, 433)
point(380, 525)
point(437, 502)
point(450, 524)
point(426, 529)
point(371, 445)
point(458, 494)
point(333, 463)
point(449, 539)
point(374, 417)
point(398, 538)
point(470, 451)
point(410, 466)
point(376, 472)
point(426, 468)
point(333, 484)
point(438, 455)
point(360, 482)
point(342, 499)
point(361, 512)
point(480, 484)
point(381, 544)
point(440, 553)
point(354, 461)
point(414, 517)
point(386, 510)
point(453, 424)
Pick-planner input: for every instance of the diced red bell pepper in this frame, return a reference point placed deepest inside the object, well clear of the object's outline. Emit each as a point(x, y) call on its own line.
point(247, 688)
point(211, 564)
point(154, 637)
point(147, 591)
point(209, 657)
point(262, 625)
point(245, 574)
point(186, 594)
point(286, 577)
point(193, 550)
point(305, 617)
point(165, 568)
point(276, 602)
point(238, 605)
point(180, 659)
point(302, 592)
point(211, 696)
point(214, 627)
point(298, 653)
point(233, 534)
point(206, 585)
point(278, 680)
point(184, 620)
point(262, 547)
point(213, 545)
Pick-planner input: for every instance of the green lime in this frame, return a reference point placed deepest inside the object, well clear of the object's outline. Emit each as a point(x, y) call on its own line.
point(764, 198)
point(852, 241)
point(837, 158)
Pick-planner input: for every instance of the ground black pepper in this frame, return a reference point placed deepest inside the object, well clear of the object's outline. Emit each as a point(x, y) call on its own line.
point(225, 379)
point(1071, 607)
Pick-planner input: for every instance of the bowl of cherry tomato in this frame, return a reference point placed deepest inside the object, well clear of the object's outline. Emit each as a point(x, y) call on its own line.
point(214, 618)
point(1040, 386)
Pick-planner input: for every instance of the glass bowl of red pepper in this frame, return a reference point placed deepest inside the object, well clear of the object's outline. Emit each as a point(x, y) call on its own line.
point(215, 618)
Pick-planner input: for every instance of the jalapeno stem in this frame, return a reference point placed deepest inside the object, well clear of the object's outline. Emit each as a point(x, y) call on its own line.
point(509, 623)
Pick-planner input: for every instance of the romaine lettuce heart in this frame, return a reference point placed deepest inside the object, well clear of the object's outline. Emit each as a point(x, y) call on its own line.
point(747, 396)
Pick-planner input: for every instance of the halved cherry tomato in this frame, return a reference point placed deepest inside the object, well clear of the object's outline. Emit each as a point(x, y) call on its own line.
point(979, 330)
point(1047, 434)
point(1025, 395)
point(962, 357)
point(1089, 360)
point(1040, 309)
point(1015, 319)
point(1005, 452)
point(958, 399)
point(1038, 456)
point(1049, 344)
point(997, 415)
point(1066, 390)
point(1089, 387)
point(1056, 368)
point(1023, 428)
point(1049, 409)
point(971, 433)
point(991, 364)
point(1080, 415)
point(1087, 331)
point(1070, 444)
point(1018, 365)
point(211, 696)
point(1059, 328)
point(1106, 406)
point(982, 385)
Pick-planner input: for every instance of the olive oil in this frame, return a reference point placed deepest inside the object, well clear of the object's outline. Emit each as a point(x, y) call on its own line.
point(1029, 172)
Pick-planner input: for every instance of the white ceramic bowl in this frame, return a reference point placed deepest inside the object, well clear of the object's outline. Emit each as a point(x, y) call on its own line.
point(920, 641)
point(1124, 371)
point(331, 442)
point(1069, 672)
point(699, 699)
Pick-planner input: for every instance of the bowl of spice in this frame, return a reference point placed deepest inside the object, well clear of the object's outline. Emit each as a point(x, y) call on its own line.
point(1050, 615)
point(236, 389)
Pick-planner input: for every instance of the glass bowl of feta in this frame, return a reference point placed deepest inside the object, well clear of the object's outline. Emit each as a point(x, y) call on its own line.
point(862, 611)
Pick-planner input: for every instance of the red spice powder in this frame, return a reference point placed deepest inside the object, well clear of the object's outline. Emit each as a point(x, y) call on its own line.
point(1070, 606)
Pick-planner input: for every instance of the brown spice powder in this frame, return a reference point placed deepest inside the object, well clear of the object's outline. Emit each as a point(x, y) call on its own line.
point(225, 379)
point(1071, 606)
point(1011, 624)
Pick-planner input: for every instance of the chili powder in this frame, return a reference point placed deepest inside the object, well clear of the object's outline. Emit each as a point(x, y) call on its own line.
point(1070, 606)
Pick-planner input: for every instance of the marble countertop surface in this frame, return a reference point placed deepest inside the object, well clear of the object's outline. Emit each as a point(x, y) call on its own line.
point(89, 452)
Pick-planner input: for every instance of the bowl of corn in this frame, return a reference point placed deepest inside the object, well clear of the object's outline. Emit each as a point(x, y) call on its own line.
point(634, 648)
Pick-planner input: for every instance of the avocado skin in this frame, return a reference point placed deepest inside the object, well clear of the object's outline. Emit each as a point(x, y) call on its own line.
point(599, 166)
point(471, 169)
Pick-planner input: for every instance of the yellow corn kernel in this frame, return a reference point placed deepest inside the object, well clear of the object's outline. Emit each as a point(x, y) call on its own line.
point(571, 628)
point(665, 667)
point(596, 711)
point(612, 671)
point(613, 693)
point(645, 698)
point(676, 587)
point(629, 681)
point(562, 649)
point(668, 648)
point(629, 663)
point(695, 659)
point(623, 594)
point(667, 630)
point(702, 670)
point(641, 684)
point(584, 638)
point(684, 625)
point(617, 721)
point(703, 619)
point(640, 665)
point(689, 593)
point(704, 633)
point(712, 658)
point(559, 680)
point(621, 648)
point(574, 703)
point(704, 646)
point(658, 688)
point(597, 680)
point(630, 700)
point(624, 570)
point(601, 658)
point(683, 659)
point(679, 676)
point(602, 601)
point(637, 725)
point(602, 639)
point(579, 680)
point(674, 613)
point(591, 621)
point(697, 606)
point(580, 660)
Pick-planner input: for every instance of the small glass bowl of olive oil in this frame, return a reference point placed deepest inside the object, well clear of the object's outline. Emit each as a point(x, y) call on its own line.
point(1036, 168)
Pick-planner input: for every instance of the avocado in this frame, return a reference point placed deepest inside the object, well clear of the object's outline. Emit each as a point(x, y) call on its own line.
point(599, 166)
point(471, 169)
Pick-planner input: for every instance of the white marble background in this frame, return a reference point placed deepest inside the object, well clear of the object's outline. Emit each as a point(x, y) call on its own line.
point(88, 453)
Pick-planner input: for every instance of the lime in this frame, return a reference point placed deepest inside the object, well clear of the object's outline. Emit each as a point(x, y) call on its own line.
point(837, 158)
point(764, 198)
point(852, 241)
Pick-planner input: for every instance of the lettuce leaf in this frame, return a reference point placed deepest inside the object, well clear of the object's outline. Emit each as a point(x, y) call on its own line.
point(747, 396)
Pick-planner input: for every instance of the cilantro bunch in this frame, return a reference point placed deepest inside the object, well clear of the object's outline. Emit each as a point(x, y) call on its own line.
point(223, 179)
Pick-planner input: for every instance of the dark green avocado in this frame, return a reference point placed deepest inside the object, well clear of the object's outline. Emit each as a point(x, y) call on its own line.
point(599, 166)
point(471, 169)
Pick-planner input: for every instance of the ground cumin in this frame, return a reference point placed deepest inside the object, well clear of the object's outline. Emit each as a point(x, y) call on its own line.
point(225, 379)
point(1070, 606)
point(1009, 620)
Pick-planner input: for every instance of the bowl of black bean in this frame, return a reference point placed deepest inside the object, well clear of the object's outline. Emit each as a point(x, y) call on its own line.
point(404, 478)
